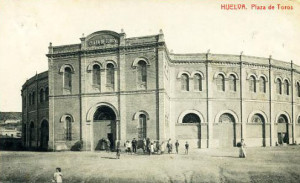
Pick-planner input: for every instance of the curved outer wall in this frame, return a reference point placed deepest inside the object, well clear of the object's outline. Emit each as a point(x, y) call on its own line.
point(34, 113)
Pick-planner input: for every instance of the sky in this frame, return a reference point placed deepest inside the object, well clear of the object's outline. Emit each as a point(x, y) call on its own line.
point(189, 26)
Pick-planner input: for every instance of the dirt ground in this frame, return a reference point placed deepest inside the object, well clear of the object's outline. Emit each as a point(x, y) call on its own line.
point(269, 164)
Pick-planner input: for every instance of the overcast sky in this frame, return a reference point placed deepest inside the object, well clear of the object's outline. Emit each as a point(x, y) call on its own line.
point(189, 26)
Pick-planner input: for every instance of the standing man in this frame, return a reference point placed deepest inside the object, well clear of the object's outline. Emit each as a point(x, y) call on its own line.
point(148, 145)
point(176, 146)
point(134, 144)
point(186, 147)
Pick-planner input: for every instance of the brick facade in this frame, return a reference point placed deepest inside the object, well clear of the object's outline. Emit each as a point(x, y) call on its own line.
point(225, 116)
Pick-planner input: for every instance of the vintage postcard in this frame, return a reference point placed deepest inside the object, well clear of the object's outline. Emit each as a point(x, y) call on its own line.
point(149, 91)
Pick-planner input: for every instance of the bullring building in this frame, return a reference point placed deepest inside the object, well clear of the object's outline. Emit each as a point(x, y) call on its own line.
point(118, 88)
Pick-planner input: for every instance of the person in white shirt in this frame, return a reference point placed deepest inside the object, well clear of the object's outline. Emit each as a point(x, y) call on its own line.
point(57, 176)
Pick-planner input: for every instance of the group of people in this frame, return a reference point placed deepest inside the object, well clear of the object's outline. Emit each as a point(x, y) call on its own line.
point(148, 147)
point(151, 147)
point(186, 146)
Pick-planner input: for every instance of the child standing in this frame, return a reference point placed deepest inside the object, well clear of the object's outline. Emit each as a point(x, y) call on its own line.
point(151, 148)
point(57, 176)
point(186, 147)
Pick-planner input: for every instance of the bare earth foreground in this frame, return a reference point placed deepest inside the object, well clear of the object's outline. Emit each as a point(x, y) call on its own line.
point(270, 164)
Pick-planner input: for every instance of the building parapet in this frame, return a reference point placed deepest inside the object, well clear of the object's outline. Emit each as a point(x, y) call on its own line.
point(141, 40)
point(66, 48)
point(227, 58)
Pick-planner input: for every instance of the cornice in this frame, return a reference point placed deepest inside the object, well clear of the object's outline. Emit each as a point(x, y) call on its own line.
point(98, 50)
point(99, 94)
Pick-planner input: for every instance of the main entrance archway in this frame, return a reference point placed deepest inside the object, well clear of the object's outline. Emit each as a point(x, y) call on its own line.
point(44, 135)
point(190, 127)
point(104, 127)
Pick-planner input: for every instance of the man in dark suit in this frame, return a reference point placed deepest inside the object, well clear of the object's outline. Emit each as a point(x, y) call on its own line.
point(134, 144)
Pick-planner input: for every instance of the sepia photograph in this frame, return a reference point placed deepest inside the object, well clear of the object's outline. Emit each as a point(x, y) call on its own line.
point(149, 91)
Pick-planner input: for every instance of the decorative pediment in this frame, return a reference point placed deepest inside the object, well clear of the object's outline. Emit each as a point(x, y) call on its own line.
point(102, 38)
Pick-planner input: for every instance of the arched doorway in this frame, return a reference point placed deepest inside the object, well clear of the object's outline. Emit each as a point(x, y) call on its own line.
point(194, 124)
point(282, 129)
point(259, 122)
point(104, 127)
point(44, 135)
point(189, 129)
point(24, 134)
point(227, 132)
point(31, 131)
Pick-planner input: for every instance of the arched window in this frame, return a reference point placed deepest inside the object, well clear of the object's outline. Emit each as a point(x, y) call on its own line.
point(282, 119)
point(33, 98)
point(191, 118)
point(184, 82)
point(47, 94)
point(31, 133)
point(262, 84)
point(44, 132)
point(257, 118)
point(226, 118)
point(298, 89)
point(142, 74)
point(232, 82)
point(24, 133)
point(24, 102)
point(110, 75)
point(252, 84)
point(278, 86)
point(68, 121)
point(286, 87)
point(221, 82)
point(41, 95)
point(197, 82)
point(142, 128)
point(68, 78)
point(30, 99)
point(96, 75)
